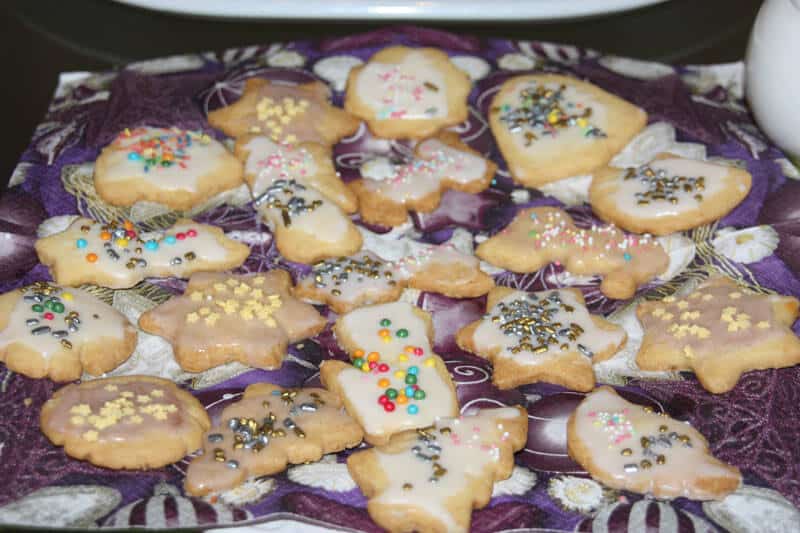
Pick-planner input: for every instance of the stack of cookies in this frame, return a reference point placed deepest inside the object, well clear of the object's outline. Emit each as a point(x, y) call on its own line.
point(430, 462)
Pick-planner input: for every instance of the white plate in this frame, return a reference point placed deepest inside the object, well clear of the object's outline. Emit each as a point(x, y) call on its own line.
point(475, 10)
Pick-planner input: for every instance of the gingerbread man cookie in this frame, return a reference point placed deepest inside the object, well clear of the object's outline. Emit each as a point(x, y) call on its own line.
point(440, 163)
point(285, 113)
point(719, 331)
point(668, 194)
point(119, 255)
point(431, 479)
point(131, 422)
point(346, 283)
point(267, 430)
point(541, 336)
point(174, 167)
point(630, 447)
point(49, 331)
point(550, 127)
point(408, 92)
point(221, 318)
point(395, 381)
point(297, 189)
point(542, 235)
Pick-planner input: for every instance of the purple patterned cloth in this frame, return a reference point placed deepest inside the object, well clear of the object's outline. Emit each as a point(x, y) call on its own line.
point(754, 426)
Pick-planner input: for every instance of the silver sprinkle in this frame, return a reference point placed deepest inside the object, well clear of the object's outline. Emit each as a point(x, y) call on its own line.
point(176, 261)
point(289, 423)
point(308, 407)
point(60, 334)
point(585, 351)
point(215, 437)
point(41, 330)
point(232, 464)
point(631, 468)
point(233, 423)
point(31, 322)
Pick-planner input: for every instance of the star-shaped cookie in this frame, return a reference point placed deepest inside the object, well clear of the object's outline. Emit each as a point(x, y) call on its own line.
point(119, 255)
point(440, 163)
point(719, 331)
point(285, 113)
point(541, 235)
point(541, 336)
point(221, 318)
point(631, 447)
point(268, 429)
point(346, 283)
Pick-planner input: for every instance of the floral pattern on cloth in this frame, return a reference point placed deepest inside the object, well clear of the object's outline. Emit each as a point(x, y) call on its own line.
point(695, 111)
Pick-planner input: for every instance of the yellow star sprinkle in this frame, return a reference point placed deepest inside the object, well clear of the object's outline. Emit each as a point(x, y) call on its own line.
point(191, 318)
point(683, 304)
point(196, 296)
point(763, 325)
point(90, 435)
point(81, 409)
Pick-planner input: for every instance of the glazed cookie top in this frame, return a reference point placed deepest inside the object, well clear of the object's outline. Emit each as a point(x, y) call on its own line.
point(413, 88)
point(285, 113)
point(171, 159)
point(640, 448)
point(532, 328)
point(269, 161)
point(119, 409)
point(292, 205)
point(427, 468)
point(262, 428)
point(434, 163)
point(395, 381)
point(122, 255)
point(539, 113)
point(49, 319)
point(715, 317)
point(247, 313)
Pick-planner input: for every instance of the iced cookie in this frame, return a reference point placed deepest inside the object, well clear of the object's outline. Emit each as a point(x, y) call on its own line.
point(395, 382)
point(541, 336)
point(551, 127)
point(719, 331)
point(431, 479)
point(220, 318)
point(267, 430)
point(667, 195)
point(177, 168)
point(120, 255)
point(131, 422)
point(408, 92)
point(346, 283)
point(266, 161)
point(542, 235)
point(627, 446)
point(308, 227)
point(439, 163)
point(285, 113)
point(49, 331)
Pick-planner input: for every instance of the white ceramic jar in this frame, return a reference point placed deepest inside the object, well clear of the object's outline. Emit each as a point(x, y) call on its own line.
point(772, 72)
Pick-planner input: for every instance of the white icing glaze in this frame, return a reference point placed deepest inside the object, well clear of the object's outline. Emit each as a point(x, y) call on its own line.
point(362, 387)
point(294, 206)
point(469, 445)
point(269, 161)
point(153, 255)
point(411, 89)
point(489, 335)
point(714, 182)
point(434, 163)
point(96, 321)
point(567, 136)
point(614, 430)
point(422, 255)
point(171, 159)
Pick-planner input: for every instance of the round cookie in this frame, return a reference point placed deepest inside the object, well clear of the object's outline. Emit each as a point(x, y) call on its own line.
point(668, 194)
point(408, 92)
point(177, 168)
point(49, 331)
point(130, 422)
point(551, 127)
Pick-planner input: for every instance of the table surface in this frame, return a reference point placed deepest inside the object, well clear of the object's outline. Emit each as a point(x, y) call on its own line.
point(40, 38)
